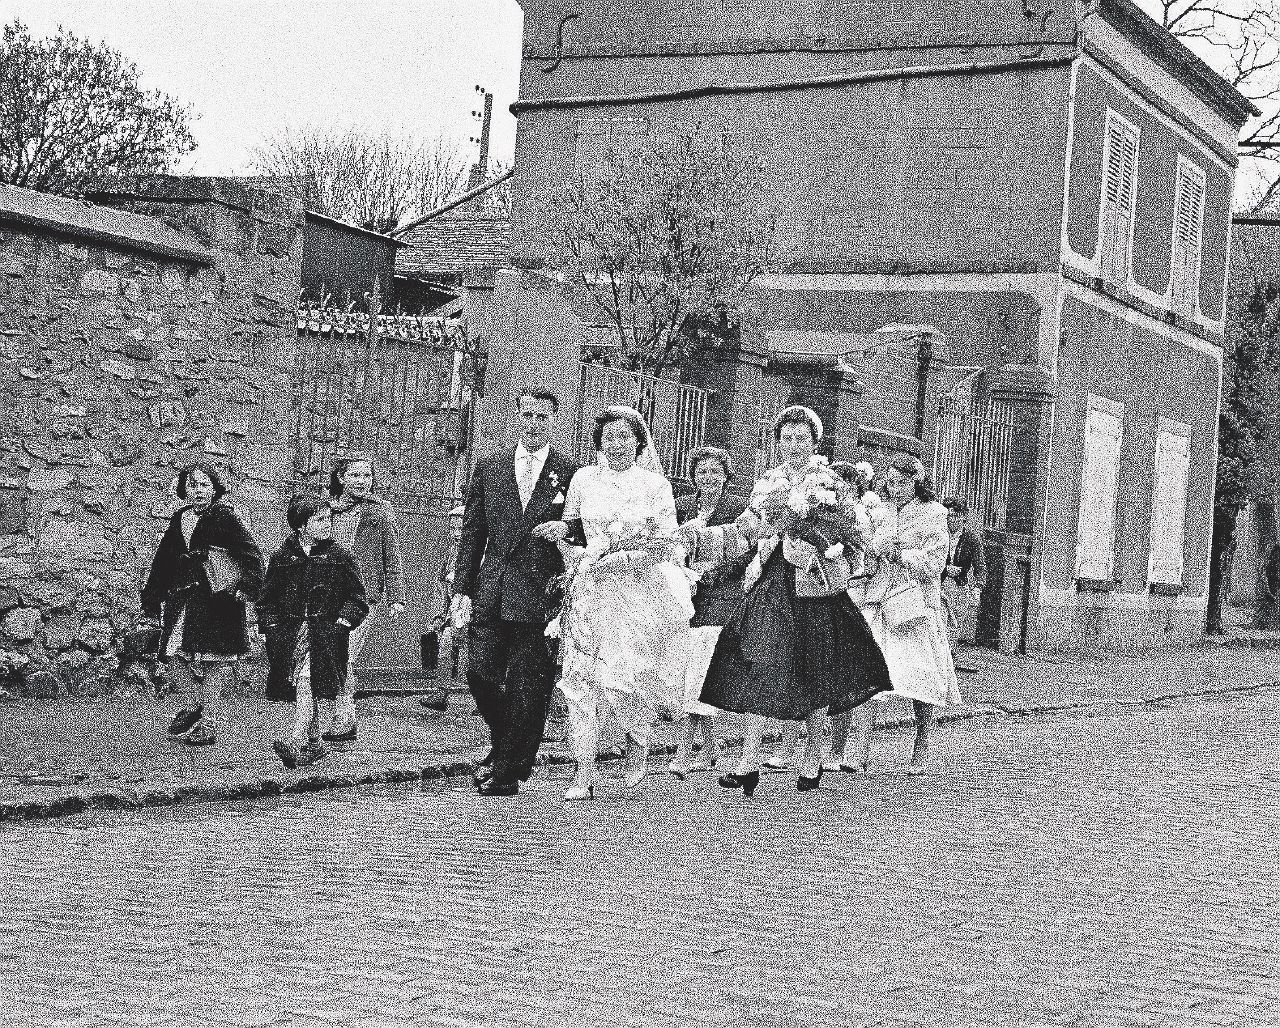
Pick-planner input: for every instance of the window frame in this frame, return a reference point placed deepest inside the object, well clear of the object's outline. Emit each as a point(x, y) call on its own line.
point(1168, 429)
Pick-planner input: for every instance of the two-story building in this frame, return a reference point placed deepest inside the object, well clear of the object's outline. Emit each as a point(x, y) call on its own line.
point(1048, 187)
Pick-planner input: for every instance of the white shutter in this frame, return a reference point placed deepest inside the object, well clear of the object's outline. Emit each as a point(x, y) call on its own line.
point(1119, 196)
point(1169, 503)
point(1188, 233)
point(1099, 481)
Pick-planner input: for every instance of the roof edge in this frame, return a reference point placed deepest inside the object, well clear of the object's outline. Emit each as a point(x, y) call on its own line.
point(470, 194)
point(385, 237)
point(122, 229)
point(1177, 58)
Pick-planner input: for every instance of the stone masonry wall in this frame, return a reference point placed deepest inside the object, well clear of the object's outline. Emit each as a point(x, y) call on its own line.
point(130, 344)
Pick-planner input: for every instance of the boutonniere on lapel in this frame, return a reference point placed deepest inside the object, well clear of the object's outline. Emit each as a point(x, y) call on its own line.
point(554, 478)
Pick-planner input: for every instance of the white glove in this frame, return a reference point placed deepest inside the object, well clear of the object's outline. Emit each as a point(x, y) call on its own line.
point(460, 611)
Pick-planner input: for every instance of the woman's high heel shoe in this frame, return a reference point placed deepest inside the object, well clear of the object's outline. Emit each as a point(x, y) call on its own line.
point(746, 782)
point(805, 784)
point(637, 764)
point(580, 792)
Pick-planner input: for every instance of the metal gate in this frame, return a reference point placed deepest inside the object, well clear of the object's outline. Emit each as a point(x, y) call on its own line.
point(401, 389)
point(677, 414)
point(973, 453)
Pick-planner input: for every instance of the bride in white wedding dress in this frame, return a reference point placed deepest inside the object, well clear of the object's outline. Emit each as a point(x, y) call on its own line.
point(625, 623)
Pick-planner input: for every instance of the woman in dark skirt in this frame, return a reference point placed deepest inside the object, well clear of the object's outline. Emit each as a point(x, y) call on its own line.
point(206, 568)
point(798, 645)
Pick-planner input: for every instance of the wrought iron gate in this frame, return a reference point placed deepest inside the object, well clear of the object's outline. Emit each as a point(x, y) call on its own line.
point(973, 453)
point(677, 414)
point(401, 389)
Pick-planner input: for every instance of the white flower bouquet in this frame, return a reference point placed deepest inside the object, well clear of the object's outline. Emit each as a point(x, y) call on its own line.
point(624, 546)
point(821, 509)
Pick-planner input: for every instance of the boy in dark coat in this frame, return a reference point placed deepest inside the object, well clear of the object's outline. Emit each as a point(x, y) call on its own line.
point(311, 600)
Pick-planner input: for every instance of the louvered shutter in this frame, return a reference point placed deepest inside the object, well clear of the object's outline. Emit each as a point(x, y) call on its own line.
point(1099, 481)
point(1119, 193)
point(1169, 505)
point(1188, 229)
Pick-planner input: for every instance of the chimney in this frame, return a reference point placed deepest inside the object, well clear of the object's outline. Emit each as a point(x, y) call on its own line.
point(480, 170)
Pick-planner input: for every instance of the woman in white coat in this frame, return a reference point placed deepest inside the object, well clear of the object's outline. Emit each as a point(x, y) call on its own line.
point(902, 603)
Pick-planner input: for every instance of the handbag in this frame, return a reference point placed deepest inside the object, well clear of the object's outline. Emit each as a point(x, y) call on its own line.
point(904, 605)
point(221, 570)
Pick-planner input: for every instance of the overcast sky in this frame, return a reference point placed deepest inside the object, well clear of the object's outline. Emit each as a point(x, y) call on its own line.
point(251, 67)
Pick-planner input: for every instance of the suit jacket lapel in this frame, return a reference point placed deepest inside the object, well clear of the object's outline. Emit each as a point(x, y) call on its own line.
point(543, 490)
point(510, 489)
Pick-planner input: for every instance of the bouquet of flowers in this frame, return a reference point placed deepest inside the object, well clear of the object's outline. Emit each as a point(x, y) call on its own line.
point(821, 509)
point(624, 545)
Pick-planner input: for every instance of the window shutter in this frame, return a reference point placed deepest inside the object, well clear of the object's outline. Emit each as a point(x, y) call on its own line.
point(1169, 504)
point(1099, 482)
point(1119, 195)
point(1188, 230)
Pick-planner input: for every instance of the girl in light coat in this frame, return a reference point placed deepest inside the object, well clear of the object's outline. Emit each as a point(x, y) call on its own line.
point(910, 547)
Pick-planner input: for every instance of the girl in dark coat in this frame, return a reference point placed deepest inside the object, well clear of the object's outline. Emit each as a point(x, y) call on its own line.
point(313, 597)
point(205, 569)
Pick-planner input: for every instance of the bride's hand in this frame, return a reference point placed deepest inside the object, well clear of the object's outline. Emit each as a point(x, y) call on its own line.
point(625, 560)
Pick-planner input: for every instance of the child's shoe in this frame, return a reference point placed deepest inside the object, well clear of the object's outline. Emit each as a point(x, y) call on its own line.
point(313, 752)
point(335, 734)
point(287, 752)
point(199, 736)
point(185, 720)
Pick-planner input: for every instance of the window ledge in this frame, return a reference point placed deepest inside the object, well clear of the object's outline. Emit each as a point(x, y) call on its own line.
point(1097, 585)
point(1166, 588)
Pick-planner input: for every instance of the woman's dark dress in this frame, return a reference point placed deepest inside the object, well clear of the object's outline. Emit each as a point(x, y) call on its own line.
point(784, 657)
point(719, 593)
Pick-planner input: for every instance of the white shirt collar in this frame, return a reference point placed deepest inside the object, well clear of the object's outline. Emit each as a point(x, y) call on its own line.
point(538, 455)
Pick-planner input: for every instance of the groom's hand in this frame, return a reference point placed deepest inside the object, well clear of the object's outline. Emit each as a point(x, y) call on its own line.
point(460, 611)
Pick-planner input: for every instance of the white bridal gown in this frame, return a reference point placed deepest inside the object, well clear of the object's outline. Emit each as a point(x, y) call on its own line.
point(625, 632)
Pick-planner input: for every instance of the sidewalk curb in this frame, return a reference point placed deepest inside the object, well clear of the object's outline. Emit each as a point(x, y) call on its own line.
point(140, 798)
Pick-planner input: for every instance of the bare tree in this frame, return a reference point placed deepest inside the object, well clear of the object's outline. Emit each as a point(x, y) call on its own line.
point(72, 112)
point(497, 200)
point(376, 181)
point(1239, 39)
point(664, 240)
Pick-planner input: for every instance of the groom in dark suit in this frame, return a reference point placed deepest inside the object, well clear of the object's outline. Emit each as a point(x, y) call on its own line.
point(505, 562)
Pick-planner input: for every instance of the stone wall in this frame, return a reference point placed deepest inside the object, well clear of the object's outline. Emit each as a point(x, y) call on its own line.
point(134, 338)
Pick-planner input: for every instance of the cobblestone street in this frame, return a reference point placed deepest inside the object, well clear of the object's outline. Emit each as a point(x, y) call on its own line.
point(1115, 869)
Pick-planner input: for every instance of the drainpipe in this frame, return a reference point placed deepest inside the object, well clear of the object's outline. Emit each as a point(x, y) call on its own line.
point(922, 383)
